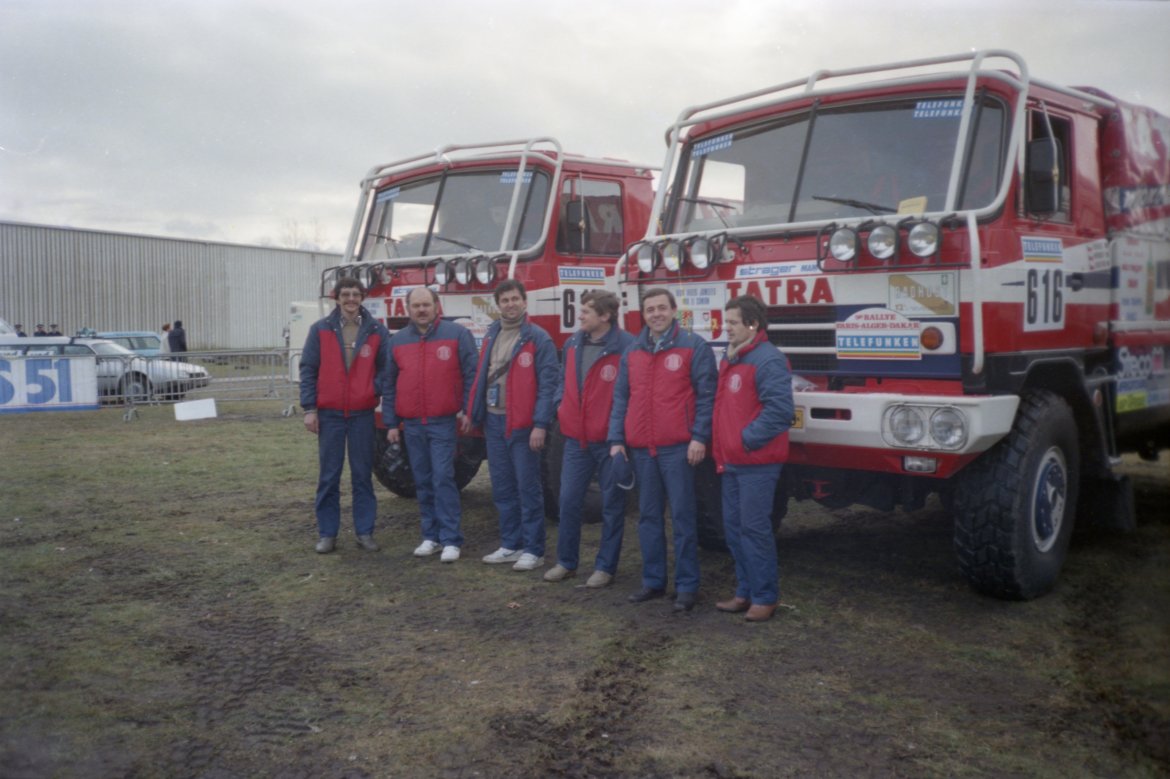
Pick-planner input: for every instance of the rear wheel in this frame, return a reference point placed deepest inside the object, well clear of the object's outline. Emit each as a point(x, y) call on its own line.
point(1014, 507)
point(551, 463)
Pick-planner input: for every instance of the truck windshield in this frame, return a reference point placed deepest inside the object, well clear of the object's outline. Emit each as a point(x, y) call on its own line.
point(873, 159)
point(454, 213)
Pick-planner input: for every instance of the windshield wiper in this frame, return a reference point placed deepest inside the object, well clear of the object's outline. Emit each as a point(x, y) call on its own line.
point(706, 202)
point(456, 243)
point(873, 208)
point(391, 243)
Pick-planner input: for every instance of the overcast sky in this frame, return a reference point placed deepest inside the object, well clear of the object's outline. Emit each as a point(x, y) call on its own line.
point(235, 120)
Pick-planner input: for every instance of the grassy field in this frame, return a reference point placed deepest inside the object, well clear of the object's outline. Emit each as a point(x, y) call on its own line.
point(164, 615)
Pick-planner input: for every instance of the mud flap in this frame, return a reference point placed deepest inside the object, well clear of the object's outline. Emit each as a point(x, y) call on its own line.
point(1108, 503)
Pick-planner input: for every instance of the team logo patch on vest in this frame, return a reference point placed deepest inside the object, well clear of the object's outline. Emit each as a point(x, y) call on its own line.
point(525, 360)
point(735, 383)
point(608, 372)
point(673, 362)
point(443, 353)
point(366, 350)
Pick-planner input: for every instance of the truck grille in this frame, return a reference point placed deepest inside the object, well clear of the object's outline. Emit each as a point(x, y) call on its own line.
point(794, 329)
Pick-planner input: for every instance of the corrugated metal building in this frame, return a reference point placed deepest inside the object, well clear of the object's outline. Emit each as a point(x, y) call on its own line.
point(228, 296)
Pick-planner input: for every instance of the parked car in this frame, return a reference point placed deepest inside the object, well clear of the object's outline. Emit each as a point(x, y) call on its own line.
point(121, 374)
point(142, 342)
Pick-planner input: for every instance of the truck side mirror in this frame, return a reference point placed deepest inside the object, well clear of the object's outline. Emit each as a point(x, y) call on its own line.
point(1042, 184)
point(577, 225)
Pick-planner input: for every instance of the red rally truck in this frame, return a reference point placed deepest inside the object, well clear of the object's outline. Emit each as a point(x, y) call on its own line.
point(969, 271)
point(465, 217)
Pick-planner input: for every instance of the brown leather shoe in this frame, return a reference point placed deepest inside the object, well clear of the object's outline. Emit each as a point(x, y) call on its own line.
point(760, 613)
point(734, 605)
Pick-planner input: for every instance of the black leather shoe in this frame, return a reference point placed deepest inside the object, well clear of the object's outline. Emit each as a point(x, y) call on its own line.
point(645, 594)
point(685, 601)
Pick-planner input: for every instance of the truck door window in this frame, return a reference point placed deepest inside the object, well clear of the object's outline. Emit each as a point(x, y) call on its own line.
point(591, 218)
point(1045, 126)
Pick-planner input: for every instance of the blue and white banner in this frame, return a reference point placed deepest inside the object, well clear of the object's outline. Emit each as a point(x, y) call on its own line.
point(49, 383)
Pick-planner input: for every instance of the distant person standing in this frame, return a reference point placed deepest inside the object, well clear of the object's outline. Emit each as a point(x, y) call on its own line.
point(177, 338)
point(55, 330)
point(512, 400)
point(164, 339)
point(428, 377)
point(753, 411)
point(343, 370)
point(39, 331)
point(20, 331)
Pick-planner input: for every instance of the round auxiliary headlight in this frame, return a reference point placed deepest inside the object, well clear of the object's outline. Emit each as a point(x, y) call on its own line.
point(442, 272)
point(672, 255)
point(646, 256)
point(462, 270)
point(883, 242)
point(843, 244)
point(371, 276)
point(923, 240)
point(906, 425)
point(948, 428)
point(485, 270)
point(700, 253)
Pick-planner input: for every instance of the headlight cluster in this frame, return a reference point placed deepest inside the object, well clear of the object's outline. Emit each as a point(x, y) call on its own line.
point(462, 269)
point(882, 241)
point(699, 251)
point(925, 427)
point(369, 276)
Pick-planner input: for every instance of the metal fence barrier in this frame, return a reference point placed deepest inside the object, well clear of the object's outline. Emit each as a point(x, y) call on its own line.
point(252, 375)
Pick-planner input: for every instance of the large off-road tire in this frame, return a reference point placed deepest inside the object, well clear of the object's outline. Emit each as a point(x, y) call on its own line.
point(551, 463)
point(709, 506)
point(393, 468)
point(1014, 507)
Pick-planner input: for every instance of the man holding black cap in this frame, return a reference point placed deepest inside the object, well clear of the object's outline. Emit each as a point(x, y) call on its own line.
point(584, 398)
point(662, 406)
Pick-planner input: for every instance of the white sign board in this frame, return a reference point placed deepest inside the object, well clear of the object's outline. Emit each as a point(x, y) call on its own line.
point(47, 383)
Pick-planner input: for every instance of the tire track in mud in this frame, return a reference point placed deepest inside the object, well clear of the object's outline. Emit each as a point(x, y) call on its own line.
point(251, 676)
point(607, 702)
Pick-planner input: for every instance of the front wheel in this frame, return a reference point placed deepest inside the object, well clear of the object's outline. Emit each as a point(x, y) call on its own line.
point(134, 388)
point(709, 506)
point(1014, 507)
point(392, 464)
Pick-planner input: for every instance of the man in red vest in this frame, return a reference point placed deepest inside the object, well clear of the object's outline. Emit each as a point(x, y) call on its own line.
point(662, 407)
point(343, 367)
point(431, 367)
point(511, 400)
point(584, 399)
point(753, 411)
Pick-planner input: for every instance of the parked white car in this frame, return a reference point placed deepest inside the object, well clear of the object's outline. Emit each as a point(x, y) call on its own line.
point(121, 373)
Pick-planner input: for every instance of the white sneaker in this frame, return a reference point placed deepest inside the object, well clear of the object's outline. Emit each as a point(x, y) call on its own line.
point(426, 548)
point(450, 554)
point(528, 562)
point(502, 555)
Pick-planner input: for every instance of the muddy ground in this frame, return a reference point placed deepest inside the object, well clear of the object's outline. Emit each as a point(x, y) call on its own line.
point(164, 615)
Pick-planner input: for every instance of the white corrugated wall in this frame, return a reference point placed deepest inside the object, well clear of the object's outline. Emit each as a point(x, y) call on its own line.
point(228, 296)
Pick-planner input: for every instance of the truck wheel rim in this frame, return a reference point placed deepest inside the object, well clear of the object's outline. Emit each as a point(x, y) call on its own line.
point(1048, 500)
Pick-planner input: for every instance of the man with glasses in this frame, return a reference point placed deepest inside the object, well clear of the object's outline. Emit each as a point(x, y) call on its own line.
point(343, 370)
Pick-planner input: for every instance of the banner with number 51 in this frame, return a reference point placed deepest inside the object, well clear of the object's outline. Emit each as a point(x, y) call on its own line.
point(49, 383)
